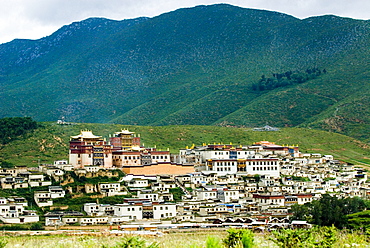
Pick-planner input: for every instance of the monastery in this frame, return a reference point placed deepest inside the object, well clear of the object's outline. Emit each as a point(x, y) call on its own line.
point(123, 151)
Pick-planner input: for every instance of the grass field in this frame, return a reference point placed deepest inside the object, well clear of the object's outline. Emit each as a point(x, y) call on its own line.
point(184, 239)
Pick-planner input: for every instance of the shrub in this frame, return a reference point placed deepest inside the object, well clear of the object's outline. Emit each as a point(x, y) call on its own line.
point(287, 238)
point(135, 242)
point(36, 226)
point(239, 237)
point(213, 242)
point(3, 242)
point(247, 239)
point(328, 237)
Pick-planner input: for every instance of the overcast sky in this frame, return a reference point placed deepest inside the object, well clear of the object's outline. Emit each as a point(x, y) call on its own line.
point(34, 19)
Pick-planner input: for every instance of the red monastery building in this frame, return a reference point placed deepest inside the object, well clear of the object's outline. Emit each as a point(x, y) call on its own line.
point(123, 151)
point(89, 149)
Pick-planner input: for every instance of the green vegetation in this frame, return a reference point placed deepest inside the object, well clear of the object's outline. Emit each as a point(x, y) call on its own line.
point(287, 78)
point(323, 237)
point(27, 193)
point(3, 242)
point(360, 220)
point(316, 237)
point(199, 69)
point(82, 180)
point(11, 128)
point(14, 128)
point(19, 227)
point(77, 203)
point(239, 238)
point(300, 179)
point(135, 242)
point(177, 194)
point(213, 242)
point(330, 210)
point(329, 178)
point(292, 238)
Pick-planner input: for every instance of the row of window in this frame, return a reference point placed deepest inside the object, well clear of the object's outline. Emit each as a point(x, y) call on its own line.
point(248, 163)
point(151, 196)
point(139, 209)
point(161, 208)
point(210, 194)
point(167, 215)
point(223, 168)
point(138, 157)
point(227, 153)
point(262, 163)
point(265, 168)
point(225, 163)
point(221, 153)
point(130, 209)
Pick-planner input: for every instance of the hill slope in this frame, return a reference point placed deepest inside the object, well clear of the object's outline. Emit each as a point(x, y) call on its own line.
point(51, 141)
point(193, 66)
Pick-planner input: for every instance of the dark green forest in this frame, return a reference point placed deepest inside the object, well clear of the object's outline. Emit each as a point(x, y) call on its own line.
point(332, 211)
point(13, 127)
point(285, 79)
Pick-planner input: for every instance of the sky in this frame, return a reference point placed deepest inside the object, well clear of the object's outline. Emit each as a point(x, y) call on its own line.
point(34, 19)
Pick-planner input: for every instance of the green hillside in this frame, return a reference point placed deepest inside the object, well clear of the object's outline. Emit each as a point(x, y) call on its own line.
point(50, 141)
point(194, 66)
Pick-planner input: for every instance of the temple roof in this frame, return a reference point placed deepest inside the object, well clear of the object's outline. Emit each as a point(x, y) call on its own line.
point(86, 134)
point(124, 131)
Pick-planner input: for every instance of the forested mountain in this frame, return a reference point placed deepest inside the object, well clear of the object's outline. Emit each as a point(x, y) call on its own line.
point(197, 66)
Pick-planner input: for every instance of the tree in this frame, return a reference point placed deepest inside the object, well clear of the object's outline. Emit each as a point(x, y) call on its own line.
point(11, 127)
point(329, 210)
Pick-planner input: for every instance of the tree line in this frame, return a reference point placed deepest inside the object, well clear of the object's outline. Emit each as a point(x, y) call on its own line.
point(286, 78)
point(12, 127)
point(330, 210)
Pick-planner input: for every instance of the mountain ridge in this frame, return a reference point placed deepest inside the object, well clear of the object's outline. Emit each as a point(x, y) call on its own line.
point(192, 66)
